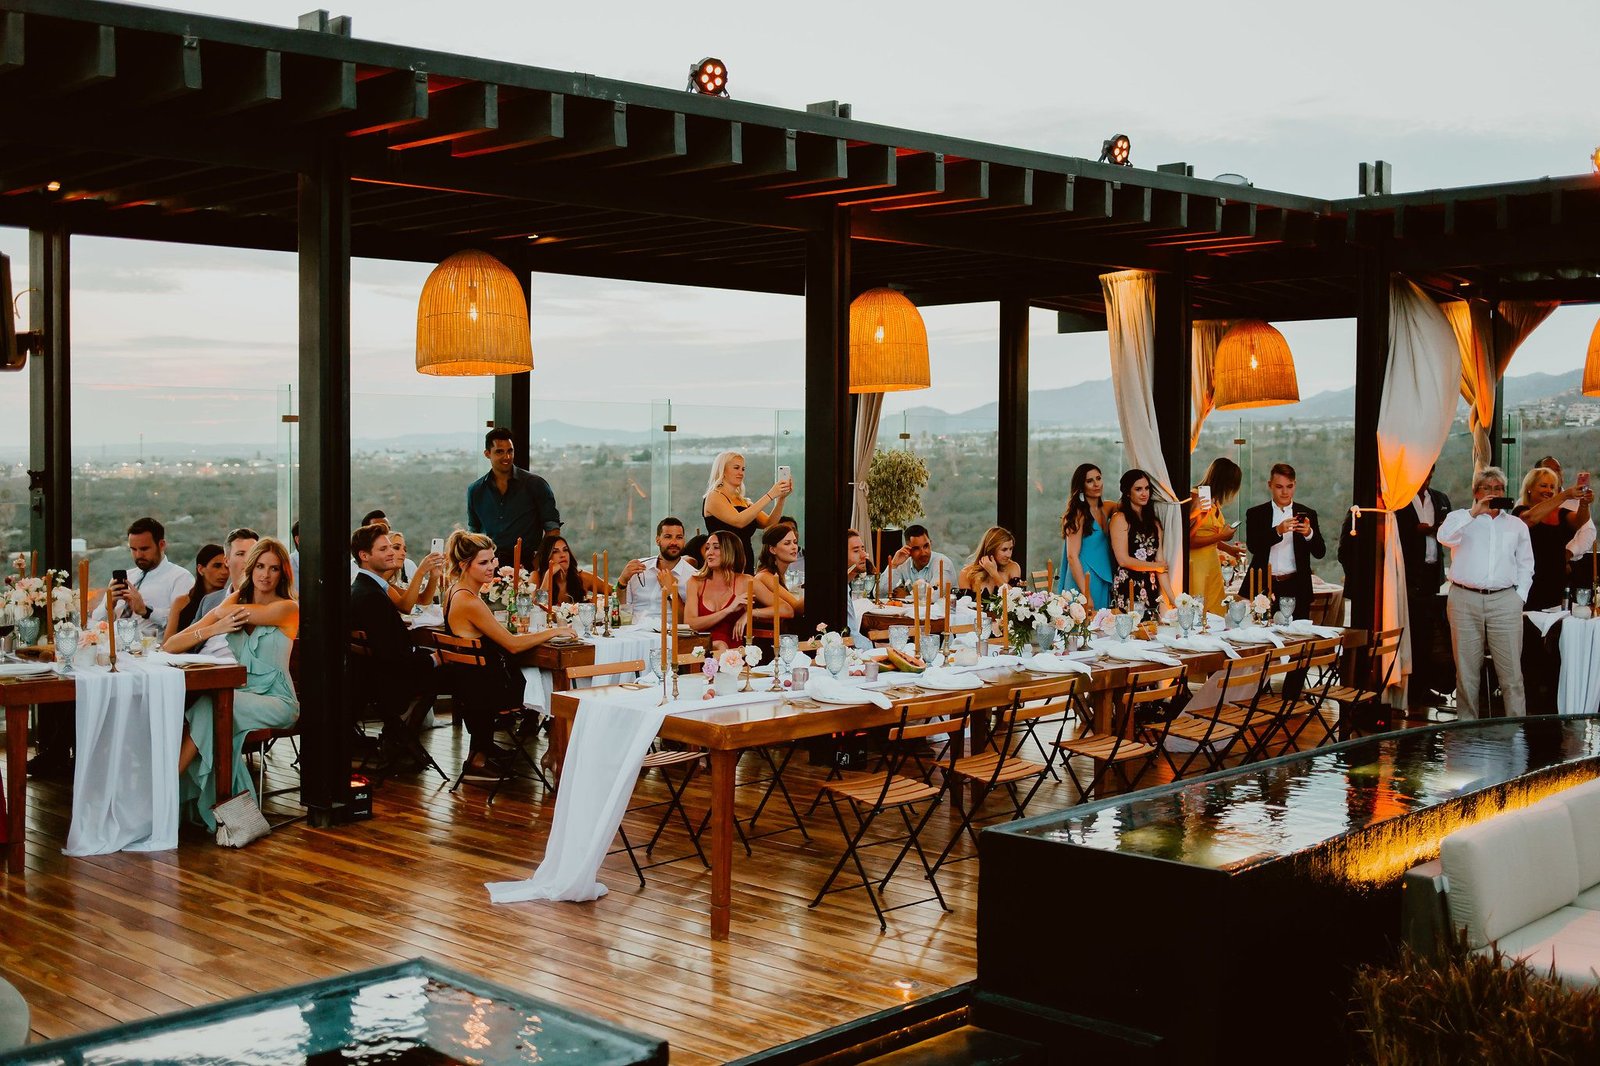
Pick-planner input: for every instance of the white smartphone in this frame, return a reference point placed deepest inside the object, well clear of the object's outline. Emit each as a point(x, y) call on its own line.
point(1204, 494)
point(784, 473)
point(436, 546)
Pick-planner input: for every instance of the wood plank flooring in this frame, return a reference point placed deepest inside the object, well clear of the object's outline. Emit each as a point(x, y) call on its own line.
point(91, 942)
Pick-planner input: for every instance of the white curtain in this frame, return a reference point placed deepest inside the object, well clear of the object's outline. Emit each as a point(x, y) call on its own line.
point(1130, 297)
point(1420, 386)
point(1486, 350)
point(869, 407)
point(1204, 336)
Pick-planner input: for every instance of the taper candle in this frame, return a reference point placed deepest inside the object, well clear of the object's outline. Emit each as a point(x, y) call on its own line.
point(516, 570)
point(83, 593)
point(749, 610)
point(877, 565)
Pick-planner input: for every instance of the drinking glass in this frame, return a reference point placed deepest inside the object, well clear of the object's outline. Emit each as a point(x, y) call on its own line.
point(66, 645)
point(788, 648)
point(794, 581)
point(833, 656)
point(1237, 611)
point(653, 662)
point(1124, 623)
point(929, 649)
point(127, 631)
point(1580, 597)
point(27, 630)
point(524, 605)
point(898, 635)
point(1285, 609)
point(585, 619)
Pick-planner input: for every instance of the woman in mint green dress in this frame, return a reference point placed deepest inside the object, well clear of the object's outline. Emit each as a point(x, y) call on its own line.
point(260, 623)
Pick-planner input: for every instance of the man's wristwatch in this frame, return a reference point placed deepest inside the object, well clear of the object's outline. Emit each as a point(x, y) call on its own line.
point(147, 610)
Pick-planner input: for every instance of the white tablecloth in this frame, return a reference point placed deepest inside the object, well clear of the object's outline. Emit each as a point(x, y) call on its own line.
point(1578, 688)
point(125, 786)
point(611, 735)
point(627, 642)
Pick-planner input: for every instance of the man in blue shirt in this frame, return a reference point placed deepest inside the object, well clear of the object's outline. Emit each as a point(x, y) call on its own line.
point(509, 503)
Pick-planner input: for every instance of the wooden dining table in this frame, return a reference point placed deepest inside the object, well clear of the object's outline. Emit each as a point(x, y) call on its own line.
point(726, 732)
point(56, 694)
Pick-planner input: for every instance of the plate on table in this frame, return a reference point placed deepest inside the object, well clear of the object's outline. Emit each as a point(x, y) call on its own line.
point(565, 642)
point(26, 670)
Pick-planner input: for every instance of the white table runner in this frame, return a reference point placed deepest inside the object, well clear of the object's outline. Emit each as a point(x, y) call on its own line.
point(125, 786)
point(1578, 689)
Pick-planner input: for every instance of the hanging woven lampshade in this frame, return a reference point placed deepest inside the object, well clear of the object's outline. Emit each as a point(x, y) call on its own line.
point(1591, 366)
point(888, 343)
point(472, 319)
point(1253, 368)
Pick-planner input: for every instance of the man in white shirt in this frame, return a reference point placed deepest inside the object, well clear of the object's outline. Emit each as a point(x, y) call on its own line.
point(643, 580)
point(1491, 572)
point(147, 591)
point(237, 549)
point(855, 561)
point(917, 561)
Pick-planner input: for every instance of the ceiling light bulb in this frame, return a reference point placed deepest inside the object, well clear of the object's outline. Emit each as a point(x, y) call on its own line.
point(54, 186)
point(877, 334)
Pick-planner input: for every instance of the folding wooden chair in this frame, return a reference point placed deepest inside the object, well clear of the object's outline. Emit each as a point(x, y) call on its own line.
point(401, 717)
point(870, 795)
point(1321, 661)
point(1117, 747)
point(1002, 765)
point(1212, 734)
point(518, 722)
point(1372, 671)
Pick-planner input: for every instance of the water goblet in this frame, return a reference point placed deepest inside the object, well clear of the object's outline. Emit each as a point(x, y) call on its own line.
point(834, 657)
point(794, 581)
point(788, 648)
point(1124, 624)
point(929, 649)
point(1285, 610)
point(585, 619)
point(898, 635)
point(27, 630)
point(66, 645)
point(127, 631)
point(652, 663)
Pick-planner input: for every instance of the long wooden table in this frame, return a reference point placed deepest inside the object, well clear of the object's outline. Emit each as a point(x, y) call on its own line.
point(727, 732)
point(18, 694)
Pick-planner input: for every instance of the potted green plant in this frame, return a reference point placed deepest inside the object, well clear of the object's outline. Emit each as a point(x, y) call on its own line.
point(895, 481)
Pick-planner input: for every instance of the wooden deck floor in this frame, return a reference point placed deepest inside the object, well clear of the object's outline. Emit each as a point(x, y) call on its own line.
point(95, 941)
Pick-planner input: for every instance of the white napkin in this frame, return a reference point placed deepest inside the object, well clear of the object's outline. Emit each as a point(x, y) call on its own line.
point(1135, 651)
point(173, 659)
point(1253, 635)
point(1050, 663)
point(1304, 627)
point(948, 680)
point(26, 669)
point(824, 689)
point(1198, 643)
point(1544, 619)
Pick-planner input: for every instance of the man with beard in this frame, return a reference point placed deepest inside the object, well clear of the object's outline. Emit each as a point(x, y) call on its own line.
point(644, 580)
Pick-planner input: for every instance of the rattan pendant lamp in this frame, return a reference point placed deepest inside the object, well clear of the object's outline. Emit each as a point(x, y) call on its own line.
point(1253, 368)
point(1591, 366)
point(472, 319)
point(888, 343)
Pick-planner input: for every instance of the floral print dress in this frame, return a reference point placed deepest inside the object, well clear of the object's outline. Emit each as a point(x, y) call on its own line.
point(1138, 589)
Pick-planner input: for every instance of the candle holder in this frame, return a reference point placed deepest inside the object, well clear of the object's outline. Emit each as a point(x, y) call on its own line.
point(605, 604)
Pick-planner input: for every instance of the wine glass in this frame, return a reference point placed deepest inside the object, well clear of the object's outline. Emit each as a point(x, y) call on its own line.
point(585, 619)
point(1124, 624)
point(127, 631)
point(788, 648)
point(898, 635)
point(66, 645)
point(794, 581)
point(1285, 610)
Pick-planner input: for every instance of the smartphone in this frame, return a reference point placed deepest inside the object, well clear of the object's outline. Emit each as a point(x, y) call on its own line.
point(784, 473)
point(436, 546)
point(1583, 481)
point(1502, 503)
point(1204, 494)
point(119, 577)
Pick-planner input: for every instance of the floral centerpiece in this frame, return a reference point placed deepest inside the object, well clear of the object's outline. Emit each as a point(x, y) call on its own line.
point(1019, 612)
point(500, 593)
point(1074, 617)
point(565, 614)
point(1188, 611)
point(724, 670)
point(30, 603)
point(1261, 606)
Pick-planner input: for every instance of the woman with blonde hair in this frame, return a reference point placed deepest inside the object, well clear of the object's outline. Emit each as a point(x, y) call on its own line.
point(497, 685)
point(260, 623)
point(1550, 527)
point(992, 566)
point(726, 509)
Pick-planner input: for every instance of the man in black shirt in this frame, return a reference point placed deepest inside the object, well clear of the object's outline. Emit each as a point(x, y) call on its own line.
point(508, 503)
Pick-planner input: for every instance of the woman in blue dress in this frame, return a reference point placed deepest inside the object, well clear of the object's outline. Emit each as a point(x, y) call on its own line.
point(1085, 545)
point(260, 623)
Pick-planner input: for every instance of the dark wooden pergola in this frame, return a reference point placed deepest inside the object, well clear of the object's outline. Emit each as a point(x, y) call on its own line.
point(133, 122)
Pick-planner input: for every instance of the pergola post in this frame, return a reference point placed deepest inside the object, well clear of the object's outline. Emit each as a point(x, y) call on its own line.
point(1174, 372)
point(50, 398)
point(324, 248)
point(1011, 458)
point(830, 441)
point(1363, 587)
point(513, 403)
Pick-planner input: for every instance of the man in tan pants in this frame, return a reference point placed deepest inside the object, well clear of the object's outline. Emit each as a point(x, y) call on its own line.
point(1491, 571)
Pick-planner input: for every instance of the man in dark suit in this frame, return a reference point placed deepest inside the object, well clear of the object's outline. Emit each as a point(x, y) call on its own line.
point(399, 674)
point(1419, 545)
point(1283, 536)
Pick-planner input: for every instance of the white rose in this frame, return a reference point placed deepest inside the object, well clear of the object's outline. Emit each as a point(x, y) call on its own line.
point(1076, 612)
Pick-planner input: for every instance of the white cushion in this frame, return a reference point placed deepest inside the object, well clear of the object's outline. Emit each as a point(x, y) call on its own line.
point(1510, 870)
point(1583, 803)
point(1568, 939)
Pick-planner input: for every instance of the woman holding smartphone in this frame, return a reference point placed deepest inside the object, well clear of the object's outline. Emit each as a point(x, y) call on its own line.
point(726, 509)
point(1549, 529)
point(1210, 532)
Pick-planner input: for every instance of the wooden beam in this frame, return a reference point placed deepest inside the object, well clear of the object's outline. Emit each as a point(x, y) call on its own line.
point(387, 101)
point(313, 90)
point(995, 240)
point(1363, 588)
point(590, 126)
point(767, 151)
point(530, 119)
point(239, 79)
point(830, 438)
point(75, 57)
point(461, 110)
point(654, 135)
point(1171, 392)
point(1011, 455)
point(12, 41)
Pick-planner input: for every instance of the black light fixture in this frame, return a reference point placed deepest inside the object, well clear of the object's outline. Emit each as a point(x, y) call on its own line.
point(1117, 150)
point(709, 77)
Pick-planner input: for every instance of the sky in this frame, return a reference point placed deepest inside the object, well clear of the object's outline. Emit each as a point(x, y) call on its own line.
point(1293, 96)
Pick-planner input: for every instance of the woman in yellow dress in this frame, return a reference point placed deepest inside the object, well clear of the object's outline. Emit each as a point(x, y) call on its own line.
point(1210, 534)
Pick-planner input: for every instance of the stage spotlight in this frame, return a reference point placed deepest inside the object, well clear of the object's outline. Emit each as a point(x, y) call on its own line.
point(709, 77)
point(1117, 150)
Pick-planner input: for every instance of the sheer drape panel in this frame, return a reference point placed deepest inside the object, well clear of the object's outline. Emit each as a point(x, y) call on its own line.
point(1204, 337)
point(1486, 344)
point(1130, 297)
point(1421, 383)
point(869, 408)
